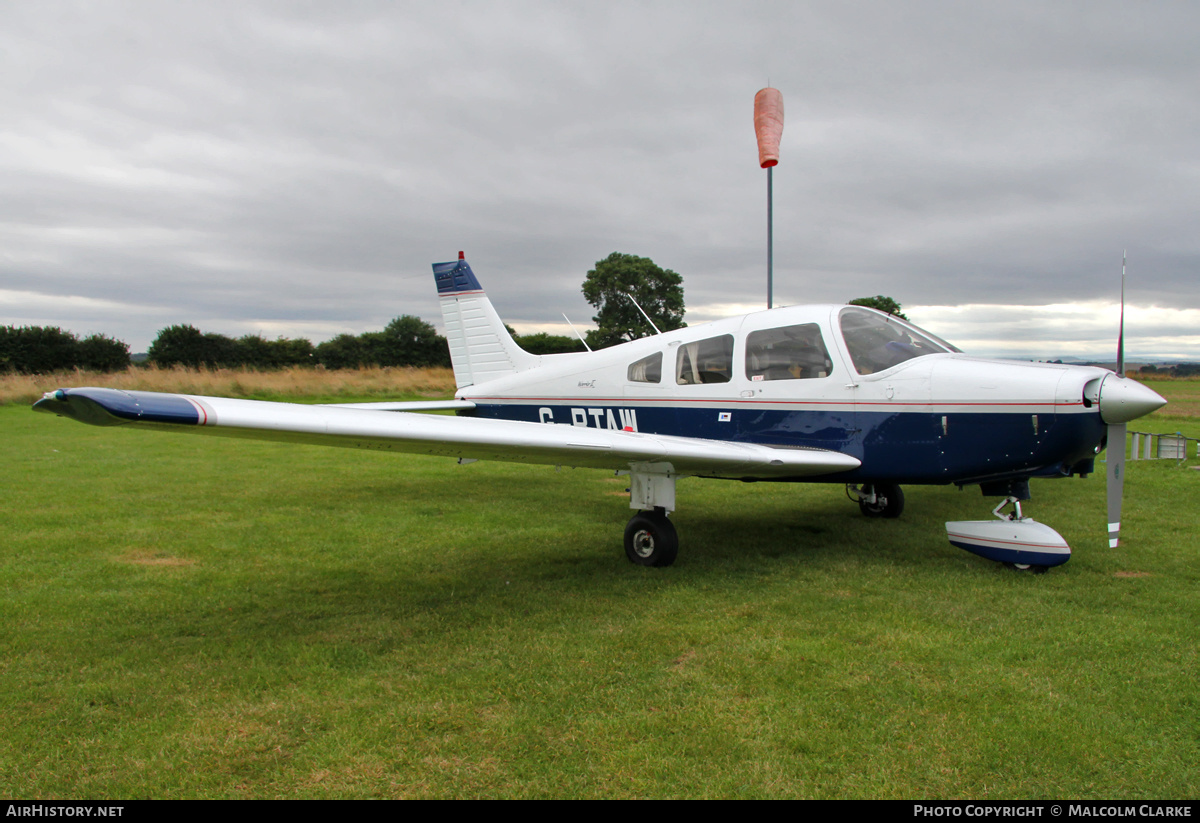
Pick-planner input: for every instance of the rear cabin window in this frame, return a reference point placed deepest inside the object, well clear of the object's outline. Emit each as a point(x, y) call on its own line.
point(705, 361)
point(647, 370)
point(787, 353)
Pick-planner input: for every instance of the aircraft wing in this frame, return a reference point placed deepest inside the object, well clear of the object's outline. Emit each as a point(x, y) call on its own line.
point(462, 437)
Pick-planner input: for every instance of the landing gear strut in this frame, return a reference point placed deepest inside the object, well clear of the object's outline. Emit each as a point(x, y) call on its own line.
point(878, 499)
point(650, 539)
point(1015, 515)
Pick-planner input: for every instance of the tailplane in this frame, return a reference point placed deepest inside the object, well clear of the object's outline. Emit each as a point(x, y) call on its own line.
point(481, 349)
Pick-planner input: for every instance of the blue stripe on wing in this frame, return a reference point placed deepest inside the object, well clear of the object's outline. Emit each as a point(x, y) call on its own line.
point(110, 407)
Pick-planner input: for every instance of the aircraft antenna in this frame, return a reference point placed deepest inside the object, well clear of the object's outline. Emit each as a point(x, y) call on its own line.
point(768, 128)
point(577, 334)
point(643, 311)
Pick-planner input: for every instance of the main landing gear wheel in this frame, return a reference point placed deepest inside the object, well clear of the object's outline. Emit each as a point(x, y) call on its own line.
point(650, 539)
point(889, 500)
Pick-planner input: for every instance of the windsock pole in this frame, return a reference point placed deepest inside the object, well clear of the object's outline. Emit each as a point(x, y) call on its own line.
point(770, 236)
point(768, 128)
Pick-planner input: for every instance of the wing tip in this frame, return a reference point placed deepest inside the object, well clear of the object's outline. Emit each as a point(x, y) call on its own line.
point(114, 407)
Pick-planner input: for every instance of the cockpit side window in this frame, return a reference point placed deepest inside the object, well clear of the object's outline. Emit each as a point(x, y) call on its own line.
point(647, 370)
point(705, 361)
point(787, 353)
point(877, 342)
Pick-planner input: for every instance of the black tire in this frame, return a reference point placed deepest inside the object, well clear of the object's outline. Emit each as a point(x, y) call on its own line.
point(889, 500)
point(651, 540)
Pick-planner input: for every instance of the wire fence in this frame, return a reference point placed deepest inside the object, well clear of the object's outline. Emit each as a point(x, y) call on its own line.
point(1164, 446)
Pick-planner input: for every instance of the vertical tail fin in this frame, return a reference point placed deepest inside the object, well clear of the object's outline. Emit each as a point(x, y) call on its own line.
point(481, 349)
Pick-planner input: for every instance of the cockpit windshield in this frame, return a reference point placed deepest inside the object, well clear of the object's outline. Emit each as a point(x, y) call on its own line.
point(877, 342)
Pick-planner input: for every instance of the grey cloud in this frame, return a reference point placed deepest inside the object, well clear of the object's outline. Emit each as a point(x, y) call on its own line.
point(296, 163)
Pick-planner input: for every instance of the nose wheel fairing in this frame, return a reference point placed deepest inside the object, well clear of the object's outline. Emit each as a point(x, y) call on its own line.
point(1012, 538)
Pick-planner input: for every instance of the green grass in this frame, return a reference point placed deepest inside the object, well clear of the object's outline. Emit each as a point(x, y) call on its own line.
point(1183, 394)
point(196, 617)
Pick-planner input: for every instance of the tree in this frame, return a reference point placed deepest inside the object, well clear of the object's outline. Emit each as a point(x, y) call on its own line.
point(47, 349)
point(100, 352)
point(406, 341)
point(179, 345)
point(885, 304)
point(543, 343)
point(220, 351)
point(42, 349)
point(346, 351)
point(255, 352)
point(296, 351)
point(187, 346)
point(410, 341)
point(608, 287)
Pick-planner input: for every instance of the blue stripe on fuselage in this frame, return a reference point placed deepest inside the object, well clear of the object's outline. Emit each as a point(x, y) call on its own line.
point(909, 447)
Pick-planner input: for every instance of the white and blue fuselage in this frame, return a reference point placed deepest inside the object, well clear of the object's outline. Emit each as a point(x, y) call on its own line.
point(933, 416)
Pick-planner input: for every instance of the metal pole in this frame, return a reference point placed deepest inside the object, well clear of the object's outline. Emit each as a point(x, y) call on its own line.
point(770, 236)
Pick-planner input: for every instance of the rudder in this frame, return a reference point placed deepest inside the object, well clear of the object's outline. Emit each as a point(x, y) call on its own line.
point(481, 349)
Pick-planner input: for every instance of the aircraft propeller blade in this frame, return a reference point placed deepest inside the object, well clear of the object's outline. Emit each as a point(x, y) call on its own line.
point(1115, 477)
point(1121, 327)
point(1115, 474)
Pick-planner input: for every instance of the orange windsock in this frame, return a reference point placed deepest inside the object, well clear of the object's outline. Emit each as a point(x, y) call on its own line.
point(768, 125)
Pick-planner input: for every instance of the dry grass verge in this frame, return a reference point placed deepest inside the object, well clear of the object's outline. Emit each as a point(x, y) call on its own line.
point(294, 382)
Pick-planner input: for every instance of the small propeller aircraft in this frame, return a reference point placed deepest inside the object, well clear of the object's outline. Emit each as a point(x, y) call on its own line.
point(824, 394)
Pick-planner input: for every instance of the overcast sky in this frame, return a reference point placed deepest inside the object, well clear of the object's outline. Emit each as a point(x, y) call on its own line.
point(294, 168)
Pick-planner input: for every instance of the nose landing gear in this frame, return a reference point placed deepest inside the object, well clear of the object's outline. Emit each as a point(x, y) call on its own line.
point(1017, 541)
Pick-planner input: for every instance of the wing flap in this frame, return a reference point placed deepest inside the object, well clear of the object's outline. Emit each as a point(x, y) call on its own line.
point(462, 437)
point(413, 405)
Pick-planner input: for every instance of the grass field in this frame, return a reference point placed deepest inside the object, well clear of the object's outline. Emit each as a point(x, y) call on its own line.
point(197, 617)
